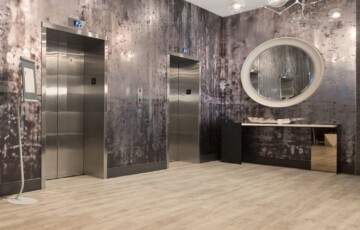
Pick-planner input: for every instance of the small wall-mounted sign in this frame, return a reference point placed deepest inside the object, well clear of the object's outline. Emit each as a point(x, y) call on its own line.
point(76, 23)
point(185, 51)
point(29, 79)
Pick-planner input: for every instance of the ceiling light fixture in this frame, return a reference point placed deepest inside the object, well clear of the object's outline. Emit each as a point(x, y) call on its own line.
point(277, 3)
point(236, 5)
point(273, 4)
point(335, 14)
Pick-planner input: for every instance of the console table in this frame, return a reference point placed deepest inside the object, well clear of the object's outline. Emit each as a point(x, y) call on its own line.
point(305, 146)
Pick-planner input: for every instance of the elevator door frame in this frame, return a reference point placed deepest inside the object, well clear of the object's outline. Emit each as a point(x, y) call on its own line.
point(180, 55)
point(44, 27)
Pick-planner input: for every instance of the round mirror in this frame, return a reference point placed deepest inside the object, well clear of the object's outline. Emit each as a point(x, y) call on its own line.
point(282, 72)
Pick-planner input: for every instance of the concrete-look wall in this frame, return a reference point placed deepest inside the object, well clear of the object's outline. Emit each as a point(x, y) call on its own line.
point(357, 169)
point(140, 35)
point(335, 100)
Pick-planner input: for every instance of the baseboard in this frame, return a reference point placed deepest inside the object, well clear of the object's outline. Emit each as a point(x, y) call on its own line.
point(207, 158)
point(130, 170)
point(14, 187)
point(277, 162)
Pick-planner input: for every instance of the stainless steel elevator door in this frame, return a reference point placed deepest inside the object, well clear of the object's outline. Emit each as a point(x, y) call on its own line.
point(64, 105)
point(52, 60)
point(71, 109)
point(184, 110)
point(173, 97)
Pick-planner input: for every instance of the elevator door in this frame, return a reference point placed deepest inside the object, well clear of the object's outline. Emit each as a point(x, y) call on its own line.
point(74, 103)
point(65, 105)
point(184, 110)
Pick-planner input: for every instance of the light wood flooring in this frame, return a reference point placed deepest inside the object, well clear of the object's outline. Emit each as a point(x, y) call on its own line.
point(205, 196)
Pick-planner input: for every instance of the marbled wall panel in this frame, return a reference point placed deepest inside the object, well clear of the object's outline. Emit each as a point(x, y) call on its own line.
point(198, 30)
point(137, 130)
point(3, 16)
point(140, 35)
point(145, 43)
point(357, 169)
point(17, 40)
point(334, 101)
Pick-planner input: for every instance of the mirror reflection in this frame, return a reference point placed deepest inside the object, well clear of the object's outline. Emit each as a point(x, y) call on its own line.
point(282, 72)
point(324, 149)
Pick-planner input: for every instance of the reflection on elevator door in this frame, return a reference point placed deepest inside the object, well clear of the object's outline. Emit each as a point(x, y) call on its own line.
point(183, 129)
point(69, 88)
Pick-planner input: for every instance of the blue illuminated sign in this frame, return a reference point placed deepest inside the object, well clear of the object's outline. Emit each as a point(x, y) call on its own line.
point(185, 51)
point(77, 23)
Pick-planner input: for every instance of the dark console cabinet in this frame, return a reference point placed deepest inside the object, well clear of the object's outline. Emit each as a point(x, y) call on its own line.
point(231, 136)
point(304, 146)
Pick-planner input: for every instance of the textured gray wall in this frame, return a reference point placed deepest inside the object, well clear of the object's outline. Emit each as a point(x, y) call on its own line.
point(149, 31)
point(357, 86)
point(140, 35)
point(335, 100)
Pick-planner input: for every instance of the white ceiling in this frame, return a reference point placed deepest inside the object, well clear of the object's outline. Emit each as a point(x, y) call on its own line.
point(221, 7)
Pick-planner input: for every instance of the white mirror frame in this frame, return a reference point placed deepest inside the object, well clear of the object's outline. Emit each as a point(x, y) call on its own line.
point(314, 54)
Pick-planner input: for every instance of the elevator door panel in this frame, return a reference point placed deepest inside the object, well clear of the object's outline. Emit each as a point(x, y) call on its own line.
point(188, 112)
point(71, 110)
point(64, 105)
point(183, 128)
point(173, 111)
point(51, 157)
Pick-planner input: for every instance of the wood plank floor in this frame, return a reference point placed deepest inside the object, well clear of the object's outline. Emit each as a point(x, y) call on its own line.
point(206, 196)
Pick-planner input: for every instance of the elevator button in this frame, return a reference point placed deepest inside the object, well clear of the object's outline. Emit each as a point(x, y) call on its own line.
point(93, 81)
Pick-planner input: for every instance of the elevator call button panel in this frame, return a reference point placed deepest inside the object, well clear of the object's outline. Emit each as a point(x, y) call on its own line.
point(139, 96)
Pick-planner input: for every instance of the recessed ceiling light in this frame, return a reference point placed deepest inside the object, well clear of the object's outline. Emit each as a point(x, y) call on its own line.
point(335, 14)
point(236, 6)
point(277, 3)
